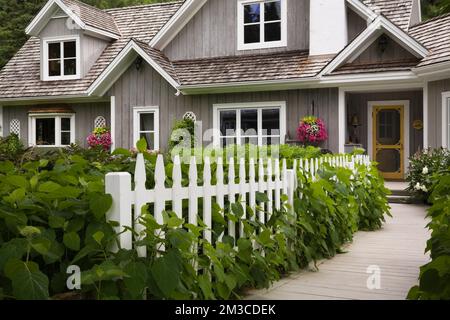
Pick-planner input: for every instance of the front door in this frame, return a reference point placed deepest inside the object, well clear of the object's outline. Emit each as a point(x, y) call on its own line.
point(388, 141)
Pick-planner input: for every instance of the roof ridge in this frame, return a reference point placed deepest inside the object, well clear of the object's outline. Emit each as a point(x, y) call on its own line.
point(445, 15)
point(144, 5)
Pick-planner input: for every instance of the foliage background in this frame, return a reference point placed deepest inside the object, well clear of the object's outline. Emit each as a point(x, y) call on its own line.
point(16, 14)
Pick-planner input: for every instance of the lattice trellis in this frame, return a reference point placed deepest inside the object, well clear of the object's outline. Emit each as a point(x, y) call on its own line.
point(14, 127)
point(100, 122)
point(190, 116)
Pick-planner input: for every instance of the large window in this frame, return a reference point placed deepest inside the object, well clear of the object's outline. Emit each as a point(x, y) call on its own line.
point(49, 130)
point(61, 58)
point(250, 123)
point(262, 24)
point(146, 125)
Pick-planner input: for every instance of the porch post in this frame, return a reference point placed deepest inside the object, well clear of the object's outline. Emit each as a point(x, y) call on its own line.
point(425, 116)
point(113, 122)
point(342, 117)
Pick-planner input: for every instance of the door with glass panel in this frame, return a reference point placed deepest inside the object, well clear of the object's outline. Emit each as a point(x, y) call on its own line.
point(388, 140)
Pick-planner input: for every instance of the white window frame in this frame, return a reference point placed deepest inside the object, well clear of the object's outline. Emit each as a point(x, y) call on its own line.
point(57, 117)
point(446, 119)
point(137, 111)
point(262, 44)
point(44, 62)
point(281, 105)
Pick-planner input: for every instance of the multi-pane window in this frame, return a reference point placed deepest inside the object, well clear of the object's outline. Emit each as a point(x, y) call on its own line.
point(146, 125)
point(259, 125)
point(262, 24)
point(52, 131)
point(61, 59)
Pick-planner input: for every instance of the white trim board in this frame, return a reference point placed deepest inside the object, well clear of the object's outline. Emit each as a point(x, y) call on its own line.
point(406, 121)
point(45, 57)
point(136, 123)
point(262, 44)
point(379, 26)
point(120, 64)
point(445, 119)
point(112, 118)
point(50, 8)
point(425, 116)
point(248, 105)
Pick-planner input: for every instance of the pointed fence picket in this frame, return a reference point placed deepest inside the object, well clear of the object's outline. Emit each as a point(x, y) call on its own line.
point(272, 179)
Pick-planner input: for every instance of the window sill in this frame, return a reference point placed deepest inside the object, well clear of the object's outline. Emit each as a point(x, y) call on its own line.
point(259, 46)
point(77, 77)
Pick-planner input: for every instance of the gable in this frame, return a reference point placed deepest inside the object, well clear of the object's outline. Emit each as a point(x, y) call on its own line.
point(355, 23)
point(212, 32)
point(383, 49)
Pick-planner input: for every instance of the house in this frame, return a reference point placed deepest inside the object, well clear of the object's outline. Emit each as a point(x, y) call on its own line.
point(371, 69)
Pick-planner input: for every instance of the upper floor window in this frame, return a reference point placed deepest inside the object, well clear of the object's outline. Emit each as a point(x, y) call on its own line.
point(61, 58)
point(262, 24)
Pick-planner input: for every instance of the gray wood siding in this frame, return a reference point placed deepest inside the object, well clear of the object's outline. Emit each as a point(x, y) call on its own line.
point(85, 114)
point(212, 32)
point(355, 23)
point(393, 52)
point(147, 88)
point(90, 47)
point(435, 90)
point(358, 104)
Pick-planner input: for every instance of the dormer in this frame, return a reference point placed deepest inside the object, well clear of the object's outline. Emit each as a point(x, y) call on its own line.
point(72, 35)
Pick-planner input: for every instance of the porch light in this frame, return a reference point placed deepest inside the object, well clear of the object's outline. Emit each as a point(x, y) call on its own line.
point(382, 43)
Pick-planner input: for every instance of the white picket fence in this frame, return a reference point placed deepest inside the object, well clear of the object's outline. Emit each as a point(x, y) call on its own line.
point(272, 180)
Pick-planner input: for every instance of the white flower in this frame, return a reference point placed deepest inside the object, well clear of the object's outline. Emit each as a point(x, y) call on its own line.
point(418, 186)
point(352, 177)
point(425, 170)
point(424, 189)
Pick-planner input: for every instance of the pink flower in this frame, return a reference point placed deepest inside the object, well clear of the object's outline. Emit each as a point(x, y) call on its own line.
point(103, 140)
point(312, 130)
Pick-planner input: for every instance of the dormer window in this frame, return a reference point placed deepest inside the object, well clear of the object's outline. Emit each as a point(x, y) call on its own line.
point(61, 58)
point(262, 24)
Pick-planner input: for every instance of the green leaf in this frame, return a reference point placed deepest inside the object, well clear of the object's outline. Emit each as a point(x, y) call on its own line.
point(205, 286)
point(41, 245)
point(56, 222)
point(18, 181)
point(166, 272)
point(49, 187)
point(141, 145)
point(72, 241)
point(28, 282)
point(100, 204)
point(14, 249)
point(261, 197)
point(137, 280)
point(98, 237)
point(121, 151)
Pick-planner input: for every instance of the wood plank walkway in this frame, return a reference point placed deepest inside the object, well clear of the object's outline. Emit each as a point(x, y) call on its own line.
point(397, 249)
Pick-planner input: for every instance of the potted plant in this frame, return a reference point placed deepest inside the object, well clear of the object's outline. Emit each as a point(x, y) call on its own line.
point(100, 138)
point(312, 131)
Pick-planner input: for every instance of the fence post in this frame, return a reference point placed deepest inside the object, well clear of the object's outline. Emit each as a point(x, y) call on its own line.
point(219, 188)
point(207, 200)
point(242, 185)
point(291, 186)
point(231, 197)
point(277, 185)
point(140, 178)
point(118, 185)
point(269, 188)
point(252, 188)
point(177, 202)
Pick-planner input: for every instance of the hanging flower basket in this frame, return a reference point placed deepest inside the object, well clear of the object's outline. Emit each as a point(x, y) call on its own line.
point(100, 138)
point(312, 131)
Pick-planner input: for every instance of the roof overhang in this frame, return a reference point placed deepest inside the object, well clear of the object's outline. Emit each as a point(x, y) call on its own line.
point(433, 72)
point(120, 64)
point(50, 8)
point(362, 10)
point(378, 27)
point(176, 23)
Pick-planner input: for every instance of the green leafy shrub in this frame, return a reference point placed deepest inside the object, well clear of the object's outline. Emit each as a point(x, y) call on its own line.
point(11, 148)
point(52, 215)
point(434, 281)
point(423, 166)
point(182, 125)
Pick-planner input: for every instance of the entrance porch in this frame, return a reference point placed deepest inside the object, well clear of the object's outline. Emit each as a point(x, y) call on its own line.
point(389, 125)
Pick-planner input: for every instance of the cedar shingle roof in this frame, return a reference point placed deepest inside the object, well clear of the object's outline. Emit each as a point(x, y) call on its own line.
point(435, 35)
point(93, 16)
point(275, 66)
point(20, 78)
point(398, 11)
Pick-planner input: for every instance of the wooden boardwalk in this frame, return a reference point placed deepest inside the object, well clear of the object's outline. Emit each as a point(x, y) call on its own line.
point(397, 249)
